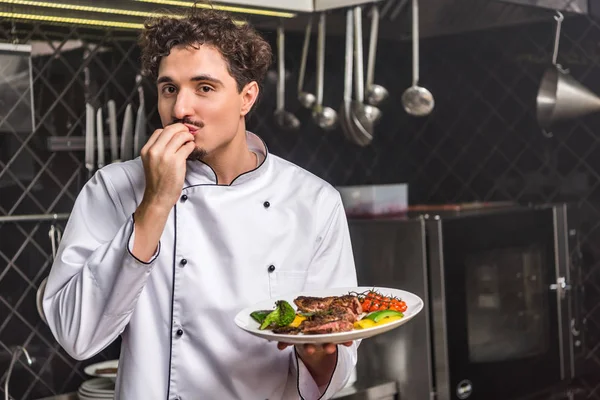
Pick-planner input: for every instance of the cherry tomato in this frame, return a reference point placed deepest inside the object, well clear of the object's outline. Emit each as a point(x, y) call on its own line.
point(366, 304)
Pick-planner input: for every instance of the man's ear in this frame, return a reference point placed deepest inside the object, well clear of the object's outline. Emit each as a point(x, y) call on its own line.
point(249, 95)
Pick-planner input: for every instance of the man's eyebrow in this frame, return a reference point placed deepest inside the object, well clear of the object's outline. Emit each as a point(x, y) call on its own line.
point(198, 78)
point(163, 79)
point(207, 78)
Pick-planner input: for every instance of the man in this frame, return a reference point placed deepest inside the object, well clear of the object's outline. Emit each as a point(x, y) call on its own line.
point(165, 249)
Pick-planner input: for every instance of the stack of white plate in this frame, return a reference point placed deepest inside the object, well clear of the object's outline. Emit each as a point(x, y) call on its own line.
point(97, 389)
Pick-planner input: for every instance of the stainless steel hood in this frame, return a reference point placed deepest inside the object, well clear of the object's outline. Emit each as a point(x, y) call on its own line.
point(574, 6)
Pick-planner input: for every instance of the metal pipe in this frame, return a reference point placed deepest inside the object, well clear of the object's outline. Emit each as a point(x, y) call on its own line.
point(34, 217)
point(15, 355)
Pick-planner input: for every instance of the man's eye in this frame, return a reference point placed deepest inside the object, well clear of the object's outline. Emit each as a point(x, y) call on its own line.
point(168, 89)
point(205, 89)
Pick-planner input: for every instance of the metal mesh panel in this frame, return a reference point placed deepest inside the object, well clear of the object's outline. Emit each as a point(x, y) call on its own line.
point(481, 143)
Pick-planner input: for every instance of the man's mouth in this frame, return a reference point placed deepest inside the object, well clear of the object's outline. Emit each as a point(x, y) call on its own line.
point(193, 128)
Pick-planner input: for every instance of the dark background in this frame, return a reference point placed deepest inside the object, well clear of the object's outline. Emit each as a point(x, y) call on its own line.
point(481, 143)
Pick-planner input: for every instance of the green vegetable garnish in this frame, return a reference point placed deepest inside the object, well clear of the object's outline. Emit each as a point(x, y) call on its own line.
point(260, 315)
point(283, 315)
point(377, 316)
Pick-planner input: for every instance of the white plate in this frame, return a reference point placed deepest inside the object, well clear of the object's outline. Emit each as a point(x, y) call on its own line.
point(244, 320)
point(101, 388)
point(91, 369)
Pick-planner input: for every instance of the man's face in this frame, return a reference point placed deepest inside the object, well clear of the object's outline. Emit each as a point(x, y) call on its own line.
point(195, 88)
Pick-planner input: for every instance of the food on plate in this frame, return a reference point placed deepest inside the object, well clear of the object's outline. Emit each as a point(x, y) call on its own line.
point(322, 315)
point(284, 314)
point(373, 301)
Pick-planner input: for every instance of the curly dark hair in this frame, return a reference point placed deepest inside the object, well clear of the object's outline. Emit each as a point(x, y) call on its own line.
point(247, 53)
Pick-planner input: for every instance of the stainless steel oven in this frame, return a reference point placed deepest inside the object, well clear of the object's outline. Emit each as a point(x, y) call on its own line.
point(500, 286)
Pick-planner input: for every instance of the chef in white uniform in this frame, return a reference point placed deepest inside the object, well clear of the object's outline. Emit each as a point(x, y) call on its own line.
point(165, 249)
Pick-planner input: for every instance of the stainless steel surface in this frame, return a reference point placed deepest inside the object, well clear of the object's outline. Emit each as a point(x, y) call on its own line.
point(284, 119)
point(112, 130)
point(325, 117)
point(345, 110)
point(127, 134)
point(377, 391)
point(364, 116)
point(140, 137)
point(561, 243)
point(307, 99)
point(34, 217)
point(100, 137)
point(438, 310)
point(392, 254)
point(375, 94)
point(66, 396)
point(90, 123)
point(408, 253)
point(417, 100)
point(574, 6)
point(560, 96)
point(15, 355)
point(68, 143)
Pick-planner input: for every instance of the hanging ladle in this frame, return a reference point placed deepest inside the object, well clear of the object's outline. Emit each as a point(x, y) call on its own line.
point(307, 100)
point(375, 94)
point(325, 117)
point(364, 115)
point(283, 118)
point(345, 113)
point(417, 100)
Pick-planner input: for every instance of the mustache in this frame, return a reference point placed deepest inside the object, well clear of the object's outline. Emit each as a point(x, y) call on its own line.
point(188, 121)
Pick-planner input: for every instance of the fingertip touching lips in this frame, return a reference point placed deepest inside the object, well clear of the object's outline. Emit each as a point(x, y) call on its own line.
point(188, 121)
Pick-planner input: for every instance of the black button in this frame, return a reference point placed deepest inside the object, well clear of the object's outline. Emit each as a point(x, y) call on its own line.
point(183, 261)
point(184, 197)
point(179, 332)
point(271, 268)
point(267, 204)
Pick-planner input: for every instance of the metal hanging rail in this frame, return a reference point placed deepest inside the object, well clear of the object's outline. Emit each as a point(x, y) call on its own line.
point(34, 217)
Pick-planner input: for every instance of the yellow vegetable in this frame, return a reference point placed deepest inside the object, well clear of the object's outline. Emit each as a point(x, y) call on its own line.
point(387, 320)
point(364, 324)
point(369, 323)
point(297, 321)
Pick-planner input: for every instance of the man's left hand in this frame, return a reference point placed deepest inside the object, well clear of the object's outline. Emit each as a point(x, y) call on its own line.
point(319, 359)
point(311, 349)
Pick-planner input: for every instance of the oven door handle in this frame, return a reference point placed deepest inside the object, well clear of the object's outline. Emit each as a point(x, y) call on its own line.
point(561, 286)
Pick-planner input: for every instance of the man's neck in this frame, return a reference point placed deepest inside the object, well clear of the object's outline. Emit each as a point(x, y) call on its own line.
point(233, 160)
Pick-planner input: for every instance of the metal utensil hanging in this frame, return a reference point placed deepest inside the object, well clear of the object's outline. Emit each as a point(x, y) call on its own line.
point(561, 97)
point(417, 100)
point(325, 117)
point(284, 119)
point(55, 235)
point(305, 98)
point(375, 94)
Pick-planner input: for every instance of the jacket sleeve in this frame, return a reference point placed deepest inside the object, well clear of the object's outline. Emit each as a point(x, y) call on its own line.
point(332, 267)
point(95, 280)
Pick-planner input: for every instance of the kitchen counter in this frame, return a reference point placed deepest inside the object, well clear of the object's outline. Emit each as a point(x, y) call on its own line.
point(379, 391)
point(66, 396)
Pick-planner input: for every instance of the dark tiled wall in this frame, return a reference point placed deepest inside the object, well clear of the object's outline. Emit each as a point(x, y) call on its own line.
point(481, 143)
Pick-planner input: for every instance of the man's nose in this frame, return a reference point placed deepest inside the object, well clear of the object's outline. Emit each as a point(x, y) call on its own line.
point(183, 105)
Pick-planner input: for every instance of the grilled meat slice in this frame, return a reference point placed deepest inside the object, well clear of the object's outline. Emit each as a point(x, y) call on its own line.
point(329, 321)
point(313, 304)
point(348, 302)
point(333, 326)
point(287, 330)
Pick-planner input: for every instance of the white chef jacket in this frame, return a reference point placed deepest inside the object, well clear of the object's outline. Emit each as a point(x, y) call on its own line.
point(275, 229)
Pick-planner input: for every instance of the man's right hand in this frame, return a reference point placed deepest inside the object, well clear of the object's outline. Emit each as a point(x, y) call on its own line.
point(164, 157)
